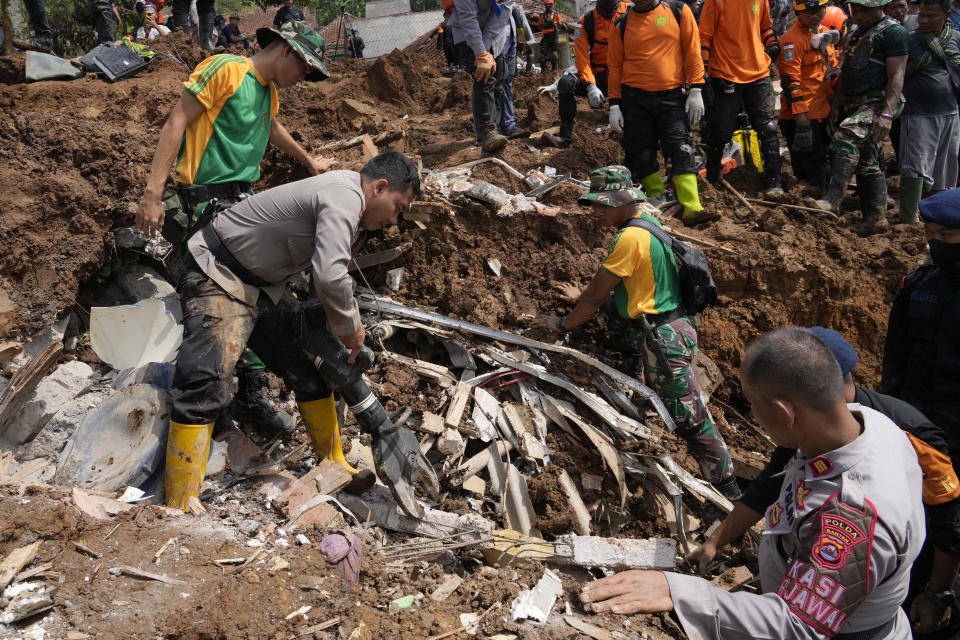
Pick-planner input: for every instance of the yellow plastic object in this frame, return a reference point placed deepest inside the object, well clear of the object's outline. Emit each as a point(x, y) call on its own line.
point(653, 184)
point(510, 547)
point(750, 145)
point(320, 418)
point(188, 447)
point(687, 194)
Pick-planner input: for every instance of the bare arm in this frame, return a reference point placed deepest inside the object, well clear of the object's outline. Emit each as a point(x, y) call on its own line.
point(281, 139)
point(896, 68)
point(150, 211)
point(732, 528)
point(590, 300)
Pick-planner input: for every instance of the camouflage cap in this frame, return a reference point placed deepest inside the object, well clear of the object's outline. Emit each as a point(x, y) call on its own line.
point(871, 3)
point(612, 186)
point(305, 41)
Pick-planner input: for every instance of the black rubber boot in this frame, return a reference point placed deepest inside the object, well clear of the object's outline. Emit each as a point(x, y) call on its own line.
point(714, 159)
point(251, 405)
point(841, 170)
point(872, 190)
point(729, 488)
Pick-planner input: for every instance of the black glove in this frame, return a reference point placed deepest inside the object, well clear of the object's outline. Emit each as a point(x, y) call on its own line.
point(773, 49)
point(803, 139)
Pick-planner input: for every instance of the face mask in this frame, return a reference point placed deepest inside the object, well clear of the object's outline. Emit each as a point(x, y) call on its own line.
point(944, 254)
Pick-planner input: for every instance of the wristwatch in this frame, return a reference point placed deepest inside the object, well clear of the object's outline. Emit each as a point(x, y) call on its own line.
point(943, 598)
point(886, 115)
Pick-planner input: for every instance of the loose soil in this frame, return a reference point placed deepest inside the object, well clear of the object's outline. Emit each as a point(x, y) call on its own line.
point(72, 167)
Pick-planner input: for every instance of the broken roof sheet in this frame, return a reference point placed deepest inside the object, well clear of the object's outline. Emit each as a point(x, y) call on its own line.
point(385, 33)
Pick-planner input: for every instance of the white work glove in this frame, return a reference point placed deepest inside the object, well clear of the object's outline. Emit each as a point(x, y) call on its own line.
point(595, 96)
point(616, 119)
point(549, 90)
point(823, 40)
point(694, 106)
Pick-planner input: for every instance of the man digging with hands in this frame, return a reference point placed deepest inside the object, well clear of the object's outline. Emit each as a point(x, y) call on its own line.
point(835, 557)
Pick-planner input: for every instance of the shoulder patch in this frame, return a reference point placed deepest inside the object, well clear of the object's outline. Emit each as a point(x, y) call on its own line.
point(820, 466)
point(802, 493)
point(773, 515)
point(789, 54)
point(838, 536)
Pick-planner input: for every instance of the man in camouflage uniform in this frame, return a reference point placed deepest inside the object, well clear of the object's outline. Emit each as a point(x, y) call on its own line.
point(867, 101)
point(650, 322)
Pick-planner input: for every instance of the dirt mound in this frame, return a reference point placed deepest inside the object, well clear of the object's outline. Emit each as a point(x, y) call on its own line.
point(400, 78)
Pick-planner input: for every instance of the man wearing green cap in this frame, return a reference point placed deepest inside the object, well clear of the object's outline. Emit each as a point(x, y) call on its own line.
point(868, 99)
point(218, 132)
point(642, 274)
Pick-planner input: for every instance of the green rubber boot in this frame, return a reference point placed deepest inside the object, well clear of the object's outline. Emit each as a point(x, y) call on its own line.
point(911, 190)
point(687, 194)
point(653, 185)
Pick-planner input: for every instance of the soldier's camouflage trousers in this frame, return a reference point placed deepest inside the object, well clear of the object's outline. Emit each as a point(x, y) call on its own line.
point(853, 139)
point(681, 395)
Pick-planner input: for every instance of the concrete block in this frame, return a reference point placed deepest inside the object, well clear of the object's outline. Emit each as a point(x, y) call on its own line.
point(617, 553)
point(53, 437)
point(54, 392)
point(450, 443)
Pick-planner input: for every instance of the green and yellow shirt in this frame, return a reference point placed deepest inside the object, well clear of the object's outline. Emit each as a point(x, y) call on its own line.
point(227, 142)
point(649, 283)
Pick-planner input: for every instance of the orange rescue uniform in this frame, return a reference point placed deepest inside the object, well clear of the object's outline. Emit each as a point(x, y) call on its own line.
point(591, 58)
point(732, 36)
point(548, 26)
point(656, 53)
point(803, 72)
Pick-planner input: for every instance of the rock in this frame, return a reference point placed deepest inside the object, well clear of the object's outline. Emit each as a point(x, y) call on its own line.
point(54, 392)
point(140, 282)
point(10, 350)
point(450, 443)
point(53, 438)
point(38, 341)
point(9, 314)
point(249, 527)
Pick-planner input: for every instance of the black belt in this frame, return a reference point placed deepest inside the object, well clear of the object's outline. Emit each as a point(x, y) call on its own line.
point(223, 255)
point(194, 194)
point(876, 633)
point(657, 319)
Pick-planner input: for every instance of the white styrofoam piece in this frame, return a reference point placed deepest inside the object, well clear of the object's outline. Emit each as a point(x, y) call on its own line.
point(133, 335)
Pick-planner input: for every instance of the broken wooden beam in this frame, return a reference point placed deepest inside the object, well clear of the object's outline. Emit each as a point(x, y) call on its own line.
point(379, 257)
point(17, 560)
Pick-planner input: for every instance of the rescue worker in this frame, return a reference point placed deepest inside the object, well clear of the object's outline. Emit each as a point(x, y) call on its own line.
point(218, 132)
point(921, 358)
point(840, 539)
point(232, 291)
point(930, 139)
point(641, 273)
point(867, 100)
point(936, 568)
point(480, 33)
point(548, 22)
point(655, 51)
point(805, 107)
point(590, 78)
point(738, 45)
point(834, 18)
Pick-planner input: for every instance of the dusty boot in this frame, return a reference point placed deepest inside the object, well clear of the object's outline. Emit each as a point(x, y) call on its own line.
point(251, 405)
point(911, 189)
point(689, 197)
point(188, 447)
point(841, 170)
point(491, 140)
point(320, 419)
point(729, 488)
point(872, 190)
point(561, 140)
point(653, 184)
point(772, 185)
point(516, 132)
point(33, 43)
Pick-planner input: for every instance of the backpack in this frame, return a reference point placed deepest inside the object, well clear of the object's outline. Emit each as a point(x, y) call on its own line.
point(697, 288)
point(676, 7)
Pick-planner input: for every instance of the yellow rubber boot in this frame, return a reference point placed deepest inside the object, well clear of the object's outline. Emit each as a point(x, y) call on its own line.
point(320, 418)
point(687, 194)
point(653, 185)
point(188, 447)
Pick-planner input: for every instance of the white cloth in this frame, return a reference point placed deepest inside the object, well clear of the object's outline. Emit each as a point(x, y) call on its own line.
point(159, 30)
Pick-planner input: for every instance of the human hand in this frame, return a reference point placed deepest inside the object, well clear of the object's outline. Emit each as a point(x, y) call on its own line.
point(550, 90)
point(803, 139)
point(927, 615)
point(570, 293)
point(881, 127)
point(354, 342)
point(694, 106)
point(703, 556)
point(549, 322)
point(320, 164)
point(486, 67)
point(150, 215)
point(616, 119)
point(635, 591)
point(595, 96)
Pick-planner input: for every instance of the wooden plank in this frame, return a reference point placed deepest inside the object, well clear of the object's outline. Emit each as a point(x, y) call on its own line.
point(17, 560)
point(432, 372)
point(369, 148)
point(431, 424)
point(324, 479)
point(448, 586)
point(593, 630)
point(24, 381)
point(457, 405)
point(747, 465)
point(379, 257)
point(580, 512)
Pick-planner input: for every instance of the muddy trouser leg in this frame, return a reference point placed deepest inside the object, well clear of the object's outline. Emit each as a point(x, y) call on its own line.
point(758, 102)
point(181, 15)
point(103, 20)
point(812, 166)
point(484, 94)
point(641, 118)
point(507, 119)
point(682, 397)
point(674, 130)
point(37, 10)
point(568, 87)
point(276, 339)
point(216, 330)
point(723, 121)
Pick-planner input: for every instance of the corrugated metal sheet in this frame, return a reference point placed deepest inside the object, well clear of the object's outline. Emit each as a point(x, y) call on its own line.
point(384, 34)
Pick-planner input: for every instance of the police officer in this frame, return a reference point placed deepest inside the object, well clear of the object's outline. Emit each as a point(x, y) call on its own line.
point(590, 78)
point(807, 92)
point(641, 273)
point(840, 539)
point(921, 359)
point(738, 44)
point(867, 101)
point(655, 52)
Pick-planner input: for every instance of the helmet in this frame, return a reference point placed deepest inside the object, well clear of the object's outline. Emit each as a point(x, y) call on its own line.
point(808, 5)
point(871, 3)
